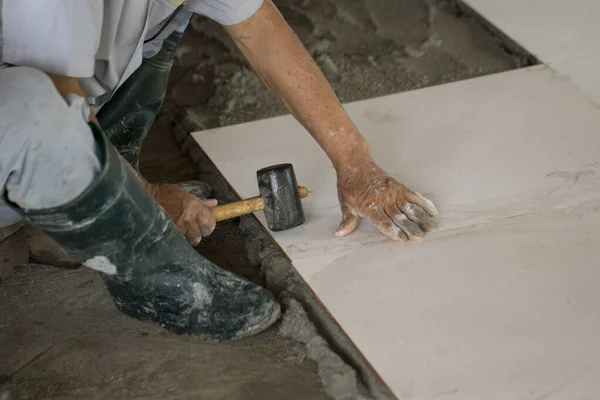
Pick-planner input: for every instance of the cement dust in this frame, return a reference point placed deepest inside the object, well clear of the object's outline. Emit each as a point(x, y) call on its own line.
point(338, 379)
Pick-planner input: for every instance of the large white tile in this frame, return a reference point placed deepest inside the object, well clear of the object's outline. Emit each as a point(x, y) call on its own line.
point(584, 73)
point(500, 303)
point(485, 148)
point(562, 34)
point(550, 29)
point(502, 310)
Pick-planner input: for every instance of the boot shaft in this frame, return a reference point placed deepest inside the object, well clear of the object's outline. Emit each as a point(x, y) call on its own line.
point(114, 222)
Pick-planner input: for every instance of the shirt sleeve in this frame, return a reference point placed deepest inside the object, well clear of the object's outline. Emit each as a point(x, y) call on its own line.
point(55, 36)
point(225, 12)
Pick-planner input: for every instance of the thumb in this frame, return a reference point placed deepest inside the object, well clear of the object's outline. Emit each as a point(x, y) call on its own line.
point(349, 222)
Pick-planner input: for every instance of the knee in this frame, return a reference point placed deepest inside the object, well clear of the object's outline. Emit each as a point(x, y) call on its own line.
point(28, 98)
point(21, 85)
point(44, 138)
point(32, 109)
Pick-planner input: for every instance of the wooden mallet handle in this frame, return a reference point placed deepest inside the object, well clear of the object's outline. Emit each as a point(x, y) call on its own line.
point(243, 207)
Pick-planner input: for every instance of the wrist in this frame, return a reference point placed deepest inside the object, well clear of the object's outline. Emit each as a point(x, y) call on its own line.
point(352, 156)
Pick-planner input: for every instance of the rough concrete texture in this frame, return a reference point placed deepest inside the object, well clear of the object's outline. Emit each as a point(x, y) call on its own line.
point(366, 48)
point(21, 243)
point(338, 378)
point(62, 338)
point(13, 249)
point(281, 278)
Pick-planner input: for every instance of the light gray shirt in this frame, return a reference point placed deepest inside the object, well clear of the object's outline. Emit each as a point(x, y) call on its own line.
point(100, 41)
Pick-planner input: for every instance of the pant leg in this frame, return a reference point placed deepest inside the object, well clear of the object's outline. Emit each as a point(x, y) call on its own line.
point(47, 150)
point(8, 215)
point(128, 116)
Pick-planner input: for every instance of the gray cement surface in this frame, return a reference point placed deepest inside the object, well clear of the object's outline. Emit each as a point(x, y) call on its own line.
point(366, 48)
point(62, 338)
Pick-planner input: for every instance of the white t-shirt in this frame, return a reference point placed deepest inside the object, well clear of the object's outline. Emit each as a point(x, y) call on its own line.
point(99, 41)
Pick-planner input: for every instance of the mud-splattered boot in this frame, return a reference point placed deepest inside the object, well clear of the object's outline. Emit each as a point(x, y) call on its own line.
point(150, 269)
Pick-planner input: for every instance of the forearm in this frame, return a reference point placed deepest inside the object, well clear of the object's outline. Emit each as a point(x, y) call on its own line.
point(282, 62)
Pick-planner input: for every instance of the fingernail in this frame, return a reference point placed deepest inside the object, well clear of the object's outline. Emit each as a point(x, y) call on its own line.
point(416, 238)
point(430, 225)
point(197, 241)
point(207, 232)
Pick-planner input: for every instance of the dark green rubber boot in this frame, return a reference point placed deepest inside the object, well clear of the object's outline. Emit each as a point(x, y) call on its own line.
point(150, 269)
point(128, 116)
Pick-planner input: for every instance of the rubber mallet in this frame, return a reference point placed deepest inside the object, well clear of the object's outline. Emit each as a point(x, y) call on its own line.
point(280, 199)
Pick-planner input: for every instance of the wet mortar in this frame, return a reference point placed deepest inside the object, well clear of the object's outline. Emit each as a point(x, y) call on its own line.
point(63, 338)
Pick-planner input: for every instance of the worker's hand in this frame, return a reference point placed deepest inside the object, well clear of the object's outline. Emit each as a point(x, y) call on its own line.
point(191, 214)
point(365, 190)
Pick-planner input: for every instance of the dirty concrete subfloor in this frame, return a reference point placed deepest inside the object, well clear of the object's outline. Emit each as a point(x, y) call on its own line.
point(60, 335)
point(62, 338)
point(366, 48)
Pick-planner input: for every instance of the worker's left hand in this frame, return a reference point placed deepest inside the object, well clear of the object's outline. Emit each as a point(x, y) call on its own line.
point(367, 191)
point(191, 214)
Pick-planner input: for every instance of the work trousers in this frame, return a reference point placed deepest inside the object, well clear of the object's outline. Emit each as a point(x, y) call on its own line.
point(47, 151)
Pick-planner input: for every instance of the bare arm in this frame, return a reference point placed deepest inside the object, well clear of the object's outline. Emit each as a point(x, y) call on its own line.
point(282, 62)
point(364, 189)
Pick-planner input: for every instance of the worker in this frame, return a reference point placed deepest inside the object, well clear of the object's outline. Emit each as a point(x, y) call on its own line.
point(80, 85)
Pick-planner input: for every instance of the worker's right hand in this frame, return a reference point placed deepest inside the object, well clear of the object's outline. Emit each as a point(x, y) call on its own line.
point(366, 191)
point(191, 214)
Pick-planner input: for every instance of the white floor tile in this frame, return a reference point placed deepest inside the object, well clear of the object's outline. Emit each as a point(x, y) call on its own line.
point(550, 29)
point(584, 72)
point(503, 310)
point(562, 34)
point(491, 306)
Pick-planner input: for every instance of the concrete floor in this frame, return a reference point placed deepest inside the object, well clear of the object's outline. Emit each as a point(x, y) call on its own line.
point(60, 335)
point(366, 48)
point(66, 340)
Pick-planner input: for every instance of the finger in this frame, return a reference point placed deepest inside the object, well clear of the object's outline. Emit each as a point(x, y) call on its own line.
point(205, 220)
point(385, 225)
point(349, 222)
point(193, 234)
point(421, 201)
point(420, 217)
point(210, 203)
point(412, 230)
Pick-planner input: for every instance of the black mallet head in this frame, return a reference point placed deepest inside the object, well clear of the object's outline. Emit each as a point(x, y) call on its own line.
point(281, 197)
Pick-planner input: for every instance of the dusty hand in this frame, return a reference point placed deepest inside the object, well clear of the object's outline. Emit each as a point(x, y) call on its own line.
point(365, 190)
point(191, 214)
